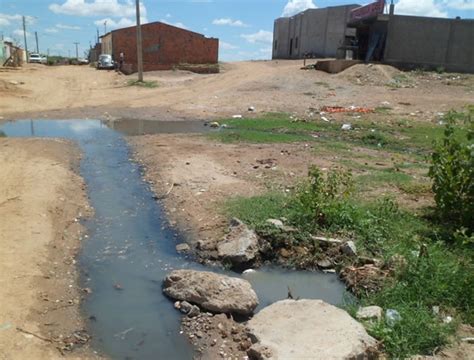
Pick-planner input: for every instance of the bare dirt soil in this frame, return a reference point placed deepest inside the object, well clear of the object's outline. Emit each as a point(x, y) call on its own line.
point(41, 198)
point(82, 91)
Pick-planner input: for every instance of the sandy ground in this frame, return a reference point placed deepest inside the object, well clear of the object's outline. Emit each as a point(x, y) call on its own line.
point(81, 91)
point(40, 199)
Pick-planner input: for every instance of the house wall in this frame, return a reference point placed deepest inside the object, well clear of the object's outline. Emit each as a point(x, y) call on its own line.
point(106, 44)
point(430, 42)
point(164, 46)
point(319, 32)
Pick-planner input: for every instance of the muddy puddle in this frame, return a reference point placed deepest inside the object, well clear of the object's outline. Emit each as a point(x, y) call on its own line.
point(130, 248)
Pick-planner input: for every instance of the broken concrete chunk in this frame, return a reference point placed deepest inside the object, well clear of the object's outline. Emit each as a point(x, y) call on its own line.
point(370, 313)
point(213, 292)
point(310, 329)
point(240, 245)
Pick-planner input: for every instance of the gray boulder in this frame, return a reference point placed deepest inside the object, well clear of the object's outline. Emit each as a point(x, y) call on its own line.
point(240, 246)
point(370, 313)
point(213, 292)
point(310, 329)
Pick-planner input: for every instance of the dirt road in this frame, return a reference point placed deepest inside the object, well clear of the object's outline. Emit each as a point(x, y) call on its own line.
point(40, 200)
point(81, 91)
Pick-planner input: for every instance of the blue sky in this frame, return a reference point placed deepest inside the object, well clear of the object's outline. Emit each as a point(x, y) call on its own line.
point(244, 27)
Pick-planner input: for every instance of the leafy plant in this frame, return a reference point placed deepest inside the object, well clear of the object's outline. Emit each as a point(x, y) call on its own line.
point(452, 172)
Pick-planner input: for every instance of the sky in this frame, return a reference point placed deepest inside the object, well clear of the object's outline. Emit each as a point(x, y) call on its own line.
point(244, 27)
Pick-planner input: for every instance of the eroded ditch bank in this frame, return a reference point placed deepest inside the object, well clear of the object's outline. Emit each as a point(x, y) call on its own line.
point(130, 248)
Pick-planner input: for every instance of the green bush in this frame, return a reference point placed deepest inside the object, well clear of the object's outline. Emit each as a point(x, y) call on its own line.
point(452, 172)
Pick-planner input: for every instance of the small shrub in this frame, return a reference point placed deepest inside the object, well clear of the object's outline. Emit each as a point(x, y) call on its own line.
point(452, 171)
point(145, 84)
point(375, 138)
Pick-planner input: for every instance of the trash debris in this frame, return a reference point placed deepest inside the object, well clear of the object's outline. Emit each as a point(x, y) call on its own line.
point(236, 116)
point(251, 108)
point(214, 125)
point(340, 109)
point(392, 317)
point(346, 127)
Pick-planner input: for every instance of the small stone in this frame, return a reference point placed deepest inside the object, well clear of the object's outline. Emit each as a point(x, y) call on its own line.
point(214, 124)
point(346, 127)
point(251, 108)
point(370, 313)
point(324, 264)
point(469, 340)
point(182, 247)
point(349, 248)
point(275, 222)
point(199, 334)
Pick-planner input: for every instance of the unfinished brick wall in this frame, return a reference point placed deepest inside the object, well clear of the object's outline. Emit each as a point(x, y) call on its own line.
point(164, 46)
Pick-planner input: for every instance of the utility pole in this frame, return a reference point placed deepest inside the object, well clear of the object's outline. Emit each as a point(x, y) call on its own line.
point(98, 36)
point(24, 35)
point(139, 44)
point(37, 47)
point(77, 51)
point(105, 27)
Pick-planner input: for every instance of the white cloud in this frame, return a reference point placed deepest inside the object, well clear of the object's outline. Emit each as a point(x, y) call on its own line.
point(122, 23)
point(113, 8)
point(19, 32)
point(51, 30)
point(7, 19)
point(420, 8)
point(459, 4)
point(68, 27)
point(226, 46)
point(295, 6)
point(229, 22)
point(262, 36)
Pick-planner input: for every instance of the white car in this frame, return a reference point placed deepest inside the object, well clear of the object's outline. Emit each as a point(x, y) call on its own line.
point(37, 59)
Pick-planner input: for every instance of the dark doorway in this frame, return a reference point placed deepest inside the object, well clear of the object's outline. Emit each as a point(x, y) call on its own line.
point(291, 47)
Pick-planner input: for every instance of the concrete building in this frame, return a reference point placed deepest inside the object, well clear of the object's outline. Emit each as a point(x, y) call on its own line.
point(417, 42)
point(312, 33)
point(164, 46)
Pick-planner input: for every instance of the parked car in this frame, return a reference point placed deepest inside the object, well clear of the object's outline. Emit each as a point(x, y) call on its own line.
point(37, 59)
point(105, 62)
point(82, 61)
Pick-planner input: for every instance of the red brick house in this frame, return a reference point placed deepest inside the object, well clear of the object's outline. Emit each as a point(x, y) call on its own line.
point(164, 46)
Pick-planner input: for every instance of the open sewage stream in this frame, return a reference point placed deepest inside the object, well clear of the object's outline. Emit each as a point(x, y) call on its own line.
point(130, 246)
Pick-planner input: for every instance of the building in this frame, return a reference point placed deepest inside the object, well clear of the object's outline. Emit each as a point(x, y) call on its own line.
point(417, 42)
point(11, 55)
point(312, 33)
point(366, 33)
point(164, 47)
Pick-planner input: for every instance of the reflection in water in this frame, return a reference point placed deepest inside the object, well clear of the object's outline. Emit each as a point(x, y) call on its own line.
point(131, 247)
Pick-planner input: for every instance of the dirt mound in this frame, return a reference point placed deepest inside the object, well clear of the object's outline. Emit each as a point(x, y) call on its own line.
point(370, 74)
point(10, 88)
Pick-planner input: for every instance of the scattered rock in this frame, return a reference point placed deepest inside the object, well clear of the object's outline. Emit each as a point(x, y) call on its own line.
point(182, 247)
point(275, 222)
point(259, 352)
point(370, 313)
point(240, 246)
point(349, 248)
point(214, 125)
point(324, 241)
point(346, 127)
point(213, 292)
point(469, 340)
point(324, 264)
point(300, 329)
point(251, 108)
point(237, 116)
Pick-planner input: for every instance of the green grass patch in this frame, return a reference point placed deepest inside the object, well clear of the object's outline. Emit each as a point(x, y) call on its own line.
point(146, 84)
point(383, 110)
point(432, 271)
point(2, 134)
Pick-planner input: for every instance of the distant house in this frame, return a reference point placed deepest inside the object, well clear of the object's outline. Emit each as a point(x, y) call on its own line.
point(164, 46)
point(11, 55)
point(366, 33)
point(312, 33)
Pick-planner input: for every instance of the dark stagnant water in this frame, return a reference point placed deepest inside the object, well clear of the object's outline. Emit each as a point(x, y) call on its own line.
point(130, 243)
